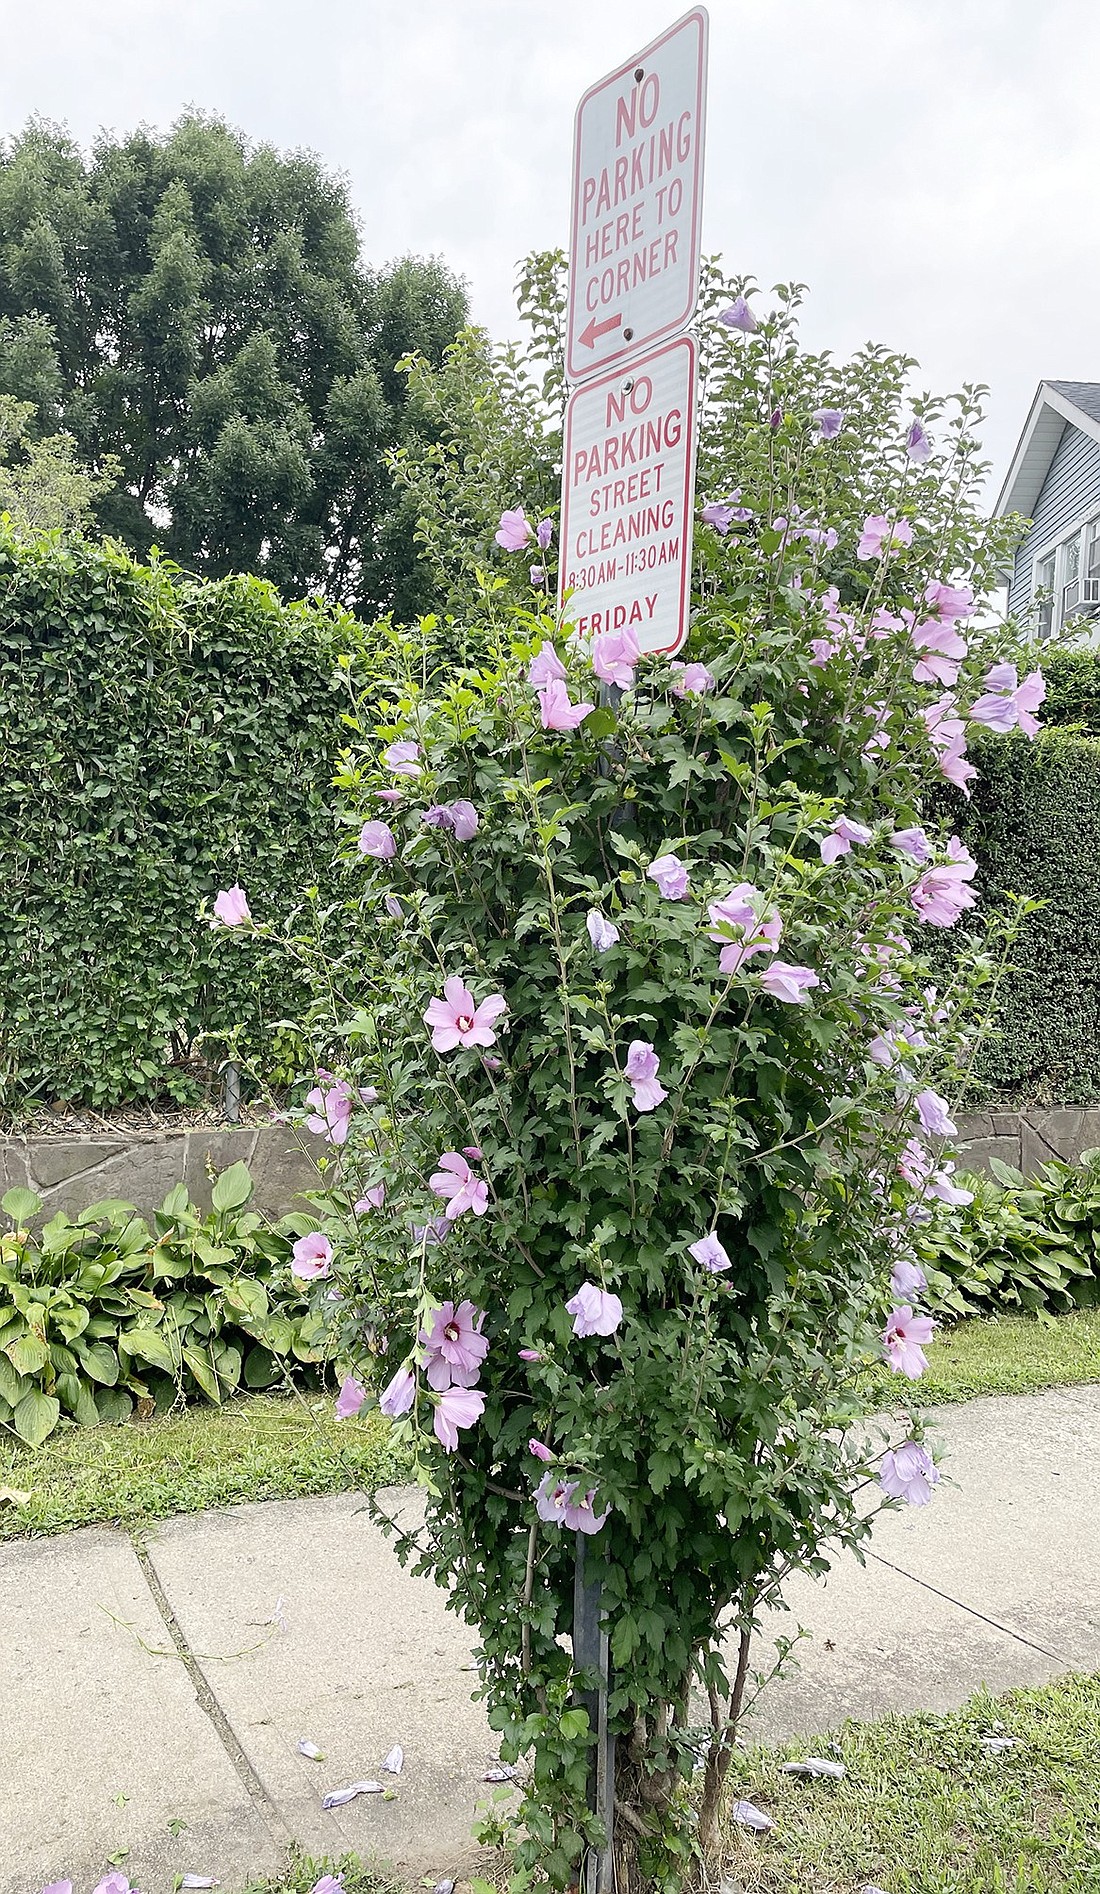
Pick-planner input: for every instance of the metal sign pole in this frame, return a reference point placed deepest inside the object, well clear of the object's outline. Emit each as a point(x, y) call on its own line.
point(590, 1653)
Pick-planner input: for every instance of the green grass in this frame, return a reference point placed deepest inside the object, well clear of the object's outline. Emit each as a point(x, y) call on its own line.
point(302, 1872)
point(262, 1446)
point(268, 1446)
point(924, 1809)
point(1008, 1354)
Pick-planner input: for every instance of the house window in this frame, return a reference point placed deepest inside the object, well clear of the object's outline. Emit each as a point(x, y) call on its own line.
point(1044, 586)
point(1071, 577)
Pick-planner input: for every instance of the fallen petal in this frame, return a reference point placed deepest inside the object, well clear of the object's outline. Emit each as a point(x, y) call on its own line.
point(306, 1748)
point(997, 1745)
point(392, 1763)
point(444, 1887)
point(278, 1616)
point(199, 1880)
point(336, 1798)
point(751, 1817)
point(814, 1766)
point(502, 1773)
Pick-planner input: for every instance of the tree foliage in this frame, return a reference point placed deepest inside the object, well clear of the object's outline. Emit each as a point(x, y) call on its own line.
point(43, 487)
point(198, 307)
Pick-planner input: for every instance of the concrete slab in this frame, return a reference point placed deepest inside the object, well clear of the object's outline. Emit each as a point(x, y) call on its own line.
point(102, 1742)
point(1016, 1535)
point(370, 1657)
point(996, 1583)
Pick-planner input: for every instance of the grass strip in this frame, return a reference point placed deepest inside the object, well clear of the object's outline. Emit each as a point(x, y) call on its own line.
point(273, 1446)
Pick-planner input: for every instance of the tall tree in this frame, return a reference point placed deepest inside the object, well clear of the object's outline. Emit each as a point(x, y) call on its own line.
point(198, 307)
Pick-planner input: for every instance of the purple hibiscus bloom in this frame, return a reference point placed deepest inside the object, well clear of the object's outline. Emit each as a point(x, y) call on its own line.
point(711, 1253)
point(641, 1068)
point(397, 1398)
point(454, 1347)
point(934, 1115)
point(904, 1340)
point(594, 1311)
point(739, 316)
point(670, 875)
point(918, 446)
point(909, 1473)
point(829, 421)
point(601, 932)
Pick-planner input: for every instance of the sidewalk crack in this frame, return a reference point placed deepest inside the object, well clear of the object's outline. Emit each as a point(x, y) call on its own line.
point(994, 1623)
point(251, 1781)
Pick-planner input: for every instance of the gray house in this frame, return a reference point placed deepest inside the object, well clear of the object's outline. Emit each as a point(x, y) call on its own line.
point(1054, 481)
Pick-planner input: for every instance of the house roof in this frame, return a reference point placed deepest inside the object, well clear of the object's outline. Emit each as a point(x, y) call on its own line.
point(1055, 404)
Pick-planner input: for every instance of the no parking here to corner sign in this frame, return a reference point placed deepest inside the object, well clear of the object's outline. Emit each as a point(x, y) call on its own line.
point(637, 201)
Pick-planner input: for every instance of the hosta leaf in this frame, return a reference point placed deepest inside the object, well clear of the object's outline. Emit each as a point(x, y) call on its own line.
point(113, 1404)
point(232, 1189)
point(98, 1360)
point(261, 1370)
point(12, 1385)
point(203, 1373)
point(78, 1397)
point(28, 1354)
point(36, 1416)
point(148, 1344)
point(21, 1205)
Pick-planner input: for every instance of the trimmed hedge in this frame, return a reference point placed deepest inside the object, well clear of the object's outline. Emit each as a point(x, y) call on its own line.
point(163, 737)
point(1033, 822)
point(1034, 825)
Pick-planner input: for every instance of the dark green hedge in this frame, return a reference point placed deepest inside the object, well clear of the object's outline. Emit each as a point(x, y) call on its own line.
point(163, 737)
point(1073, 691)
point(1033, 823)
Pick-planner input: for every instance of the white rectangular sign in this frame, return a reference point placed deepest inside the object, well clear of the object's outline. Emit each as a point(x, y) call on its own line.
point(627, 490)
point(637, 201)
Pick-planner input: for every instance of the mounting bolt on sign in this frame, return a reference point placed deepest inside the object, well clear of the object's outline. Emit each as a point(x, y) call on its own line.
point(637, 201)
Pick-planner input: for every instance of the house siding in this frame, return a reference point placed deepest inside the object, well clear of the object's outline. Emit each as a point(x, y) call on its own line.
point(1070, 492)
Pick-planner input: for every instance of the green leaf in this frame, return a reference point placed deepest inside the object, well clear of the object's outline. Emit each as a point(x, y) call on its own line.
point(261, 1370)
point(114, 1404)
point(79, 1398)
point(232, 1189)
point(203, 1374)
point(247, 1297)
point(28, 1355)
point(176, 1204)
point(36, 1417)
point(12, 1385)
point(108, 1210)
point(98, 1360)
point(148, 1344)
point(21, 1205)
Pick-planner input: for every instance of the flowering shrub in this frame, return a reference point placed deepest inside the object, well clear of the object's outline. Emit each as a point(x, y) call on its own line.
point(656, 1078)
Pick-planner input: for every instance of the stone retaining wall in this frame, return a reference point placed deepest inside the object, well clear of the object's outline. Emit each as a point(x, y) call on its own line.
point(1026, 1139)
point(71, 1173)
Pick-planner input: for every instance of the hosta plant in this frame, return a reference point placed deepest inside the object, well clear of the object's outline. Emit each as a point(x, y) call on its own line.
point(107, 1314)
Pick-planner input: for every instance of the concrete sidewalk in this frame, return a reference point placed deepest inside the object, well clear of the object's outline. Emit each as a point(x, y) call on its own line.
point(154, 1696)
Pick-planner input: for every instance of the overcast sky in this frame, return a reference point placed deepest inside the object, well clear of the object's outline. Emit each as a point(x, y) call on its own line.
point(930, 168)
